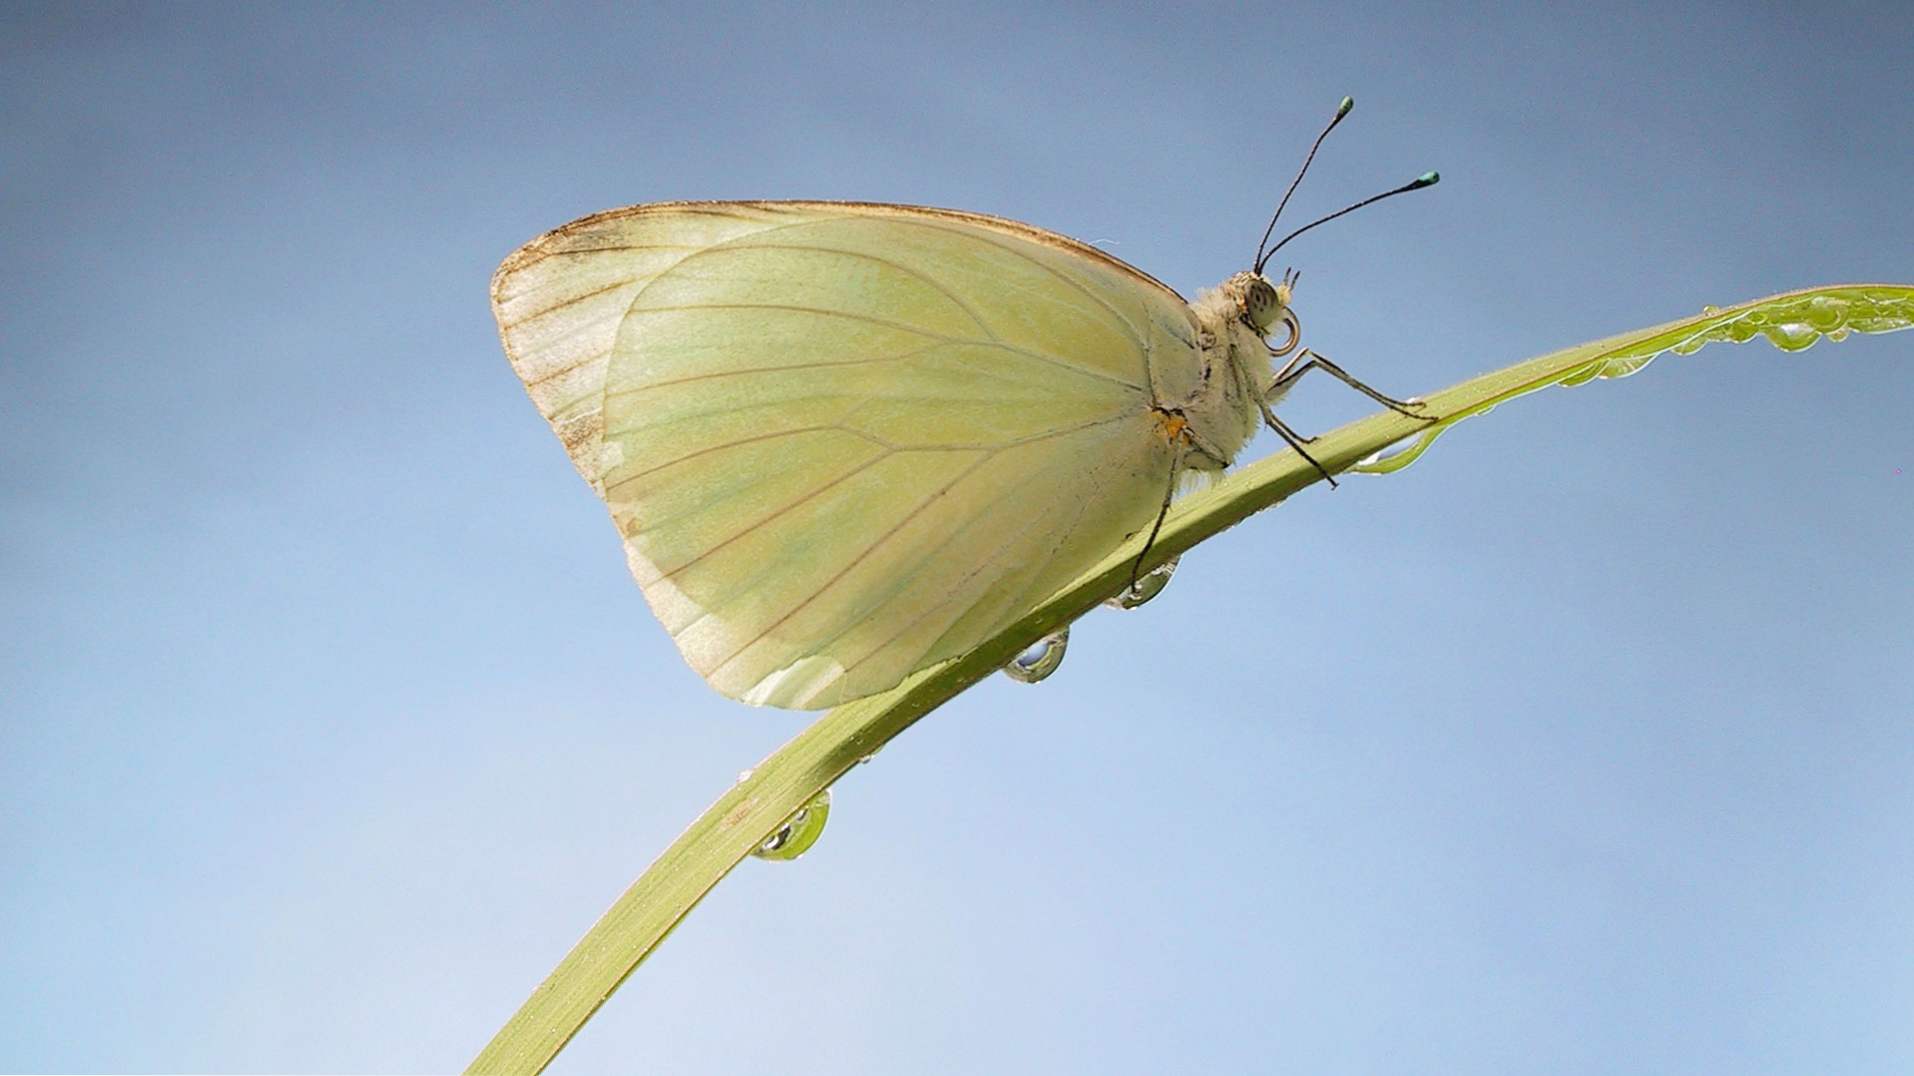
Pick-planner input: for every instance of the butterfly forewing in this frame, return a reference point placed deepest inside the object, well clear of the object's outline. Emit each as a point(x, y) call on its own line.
point(845, 442)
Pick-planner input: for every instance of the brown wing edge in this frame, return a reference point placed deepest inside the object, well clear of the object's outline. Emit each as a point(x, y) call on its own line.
point(532, 251)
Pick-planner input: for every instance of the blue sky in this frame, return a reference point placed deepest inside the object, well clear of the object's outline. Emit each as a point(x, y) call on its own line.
point(329, 717)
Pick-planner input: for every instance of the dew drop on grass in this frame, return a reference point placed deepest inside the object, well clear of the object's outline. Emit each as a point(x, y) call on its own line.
point(1148, 586)
point(1041, 659)
point(1791, 324)
point(799, 832)
point(1792, 335)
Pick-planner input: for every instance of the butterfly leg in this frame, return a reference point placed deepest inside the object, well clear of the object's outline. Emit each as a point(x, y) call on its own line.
point(1307, 360)
point(1169, 493)
point(1296, 440)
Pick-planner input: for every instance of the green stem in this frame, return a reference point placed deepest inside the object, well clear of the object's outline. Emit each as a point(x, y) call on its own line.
point(757, 805)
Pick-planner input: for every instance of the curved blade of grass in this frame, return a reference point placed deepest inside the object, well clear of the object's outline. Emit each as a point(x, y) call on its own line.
point(755, 807)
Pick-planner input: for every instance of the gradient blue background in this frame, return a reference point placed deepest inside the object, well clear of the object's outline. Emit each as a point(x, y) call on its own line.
point(331, 718)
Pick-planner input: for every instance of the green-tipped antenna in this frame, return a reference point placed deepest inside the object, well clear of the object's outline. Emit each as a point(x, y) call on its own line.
point(1341, 111)
point(1426, 179)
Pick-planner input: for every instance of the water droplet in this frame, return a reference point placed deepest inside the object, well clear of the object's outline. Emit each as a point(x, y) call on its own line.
point(1625, 365)
point(1792, 336)
point(1148, 585)
point(745, 775)
point(1041, 659)
point(1824, 313)
point(799, 832)
point(1586, 374)
point(1395, 457)
point(1790, 323)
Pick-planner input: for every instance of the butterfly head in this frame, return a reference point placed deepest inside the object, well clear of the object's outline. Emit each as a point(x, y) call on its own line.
point(1263, 305)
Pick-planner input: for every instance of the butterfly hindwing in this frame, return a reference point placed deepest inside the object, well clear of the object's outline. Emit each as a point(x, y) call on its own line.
point(844, 442)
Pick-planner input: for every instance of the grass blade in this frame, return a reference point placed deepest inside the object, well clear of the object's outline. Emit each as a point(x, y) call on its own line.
point(754, 808)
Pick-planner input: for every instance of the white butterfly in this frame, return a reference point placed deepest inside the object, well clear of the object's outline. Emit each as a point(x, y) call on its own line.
point(846, 441)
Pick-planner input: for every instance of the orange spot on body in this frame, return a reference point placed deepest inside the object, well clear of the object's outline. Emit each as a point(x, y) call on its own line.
point(1172, 426)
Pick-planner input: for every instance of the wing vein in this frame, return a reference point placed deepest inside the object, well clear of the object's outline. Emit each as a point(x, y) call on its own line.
point(532, 258)
point(928, 281)
point(887, 323)
point(839, 480)
point(1024, 596)
point(595, 356)
point(999, 446)
point(744, 441)
point(787, 367)
point(855, 561)
point(1135, 333)
point(984, 564)
point(881, 539)
point(573, 301)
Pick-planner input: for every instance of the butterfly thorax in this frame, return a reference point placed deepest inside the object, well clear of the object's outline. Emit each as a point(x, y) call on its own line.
point(1222, 405)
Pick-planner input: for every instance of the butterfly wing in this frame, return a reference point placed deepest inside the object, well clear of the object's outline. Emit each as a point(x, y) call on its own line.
point(844, 442)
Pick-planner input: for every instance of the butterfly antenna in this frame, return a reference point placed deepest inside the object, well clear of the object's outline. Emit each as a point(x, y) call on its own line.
point(1426, 179)
point(1341, 111)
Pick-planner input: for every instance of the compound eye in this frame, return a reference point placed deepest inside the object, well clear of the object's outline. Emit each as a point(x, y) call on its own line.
point(1261, 305)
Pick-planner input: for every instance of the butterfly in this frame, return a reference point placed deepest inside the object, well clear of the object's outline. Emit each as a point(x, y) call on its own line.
point(845, 441)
